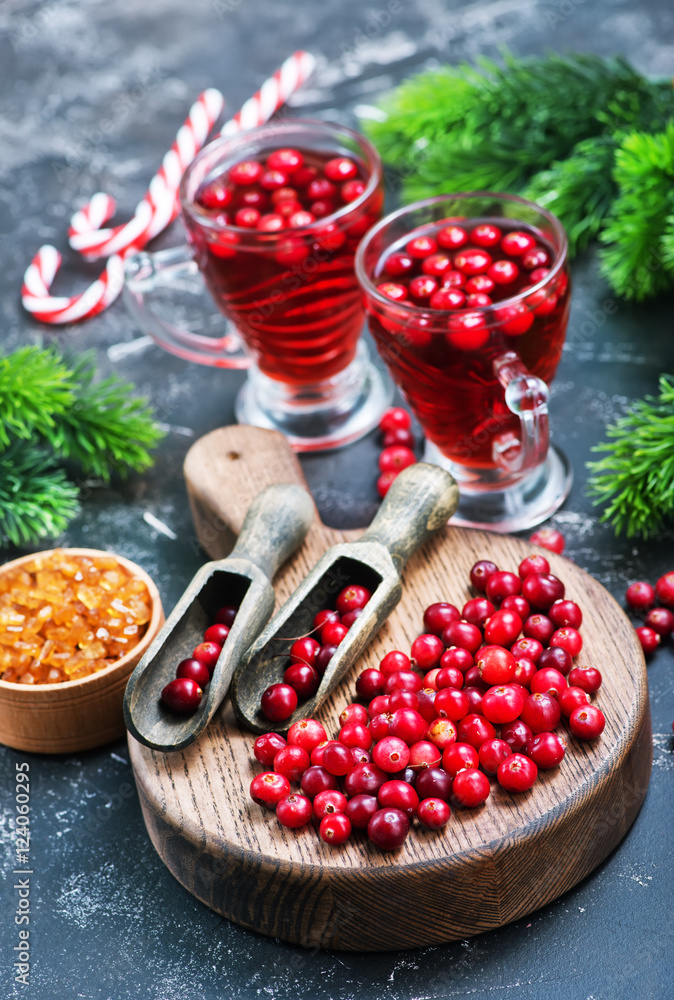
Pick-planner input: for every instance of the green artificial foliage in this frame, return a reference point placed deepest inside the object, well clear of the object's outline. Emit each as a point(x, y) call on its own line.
point(53, 411)
point(638, 261)
point(635, 478)
point(572, 132)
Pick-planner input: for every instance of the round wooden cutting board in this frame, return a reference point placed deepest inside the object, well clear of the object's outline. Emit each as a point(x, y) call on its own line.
point(487, 866)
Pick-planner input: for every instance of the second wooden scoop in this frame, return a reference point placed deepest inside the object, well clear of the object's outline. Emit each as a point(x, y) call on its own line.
point(275, 526)
point(420, 501)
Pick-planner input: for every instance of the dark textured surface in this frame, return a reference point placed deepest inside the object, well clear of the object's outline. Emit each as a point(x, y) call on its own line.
point(92, 93)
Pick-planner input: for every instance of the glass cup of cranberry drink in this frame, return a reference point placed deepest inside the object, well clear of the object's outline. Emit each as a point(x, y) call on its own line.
point(273, 217)
point(468, 301)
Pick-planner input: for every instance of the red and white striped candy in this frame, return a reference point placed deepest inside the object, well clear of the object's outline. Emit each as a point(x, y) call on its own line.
point(159, 205)
point(48, 308)
point(274, 92)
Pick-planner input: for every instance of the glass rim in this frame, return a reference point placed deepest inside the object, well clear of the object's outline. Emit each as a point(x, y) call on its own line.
point(411, 308)
point(208, 221)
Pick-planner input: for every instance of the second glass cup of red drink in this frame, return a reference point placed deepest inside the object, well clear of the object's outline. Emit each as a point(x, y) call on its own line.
point(468, 300)
point(274, 216)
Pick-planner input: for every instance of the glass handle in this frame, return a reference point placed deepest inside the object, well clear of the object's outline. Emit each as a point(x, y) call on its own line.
point(527, 397)
point(146, 273)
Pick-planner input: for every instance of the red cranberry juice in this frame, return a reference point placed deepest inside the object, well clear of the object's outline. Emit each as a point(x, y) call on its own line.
point(444, 364)
point(283, 275)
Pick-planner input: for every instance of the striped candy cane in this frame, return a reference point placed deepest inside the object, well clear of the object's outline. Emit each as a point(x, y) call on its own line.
point(274, 92)
point(47, 308)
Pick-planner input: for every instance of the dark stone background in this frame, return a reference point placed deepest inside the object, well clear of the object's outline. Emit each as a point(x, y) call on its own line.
point(108, 920)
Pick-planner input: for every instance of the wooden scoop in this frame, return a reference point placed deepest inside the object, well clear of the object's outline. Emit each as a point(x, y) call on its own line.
point(420, 501)
point(274, 527)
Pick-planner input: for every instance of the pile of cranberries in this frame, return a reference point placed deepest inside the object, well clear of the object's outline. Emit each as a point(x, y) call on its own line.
point(283, 192)
point(480, 696)
point(642, 597)
point(310, 654)
point(184, 694)
point(398, 445)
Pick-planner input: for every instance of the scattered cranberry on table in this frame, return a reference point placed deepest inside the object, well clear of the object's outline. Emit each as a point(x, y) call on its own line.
point(494, 693)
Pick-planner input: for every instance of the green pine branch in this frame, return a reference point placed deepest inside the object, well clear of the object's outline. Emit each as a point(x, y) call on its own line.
point(635, 478)
point(52, 410)
point(107, 427)
point(638, 261)
point(36, 499)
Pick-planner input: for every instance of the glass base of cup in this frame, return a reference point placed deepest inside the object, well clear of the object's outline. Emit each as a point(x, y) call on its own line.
point(321, 416)
point(523, 505)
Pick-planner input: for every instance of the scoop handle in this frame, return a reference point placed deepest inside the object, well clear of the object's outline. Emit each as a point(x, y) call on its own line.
point(420, 501)
point(275, 526)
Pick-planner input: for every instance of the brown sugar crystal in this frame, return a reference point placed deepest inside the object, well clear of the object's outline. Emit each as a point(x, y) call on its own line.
point(63, 617)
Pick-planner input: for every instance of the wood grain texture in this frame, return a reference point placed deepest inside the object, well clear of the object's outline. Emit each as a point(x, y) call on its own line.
point(487, 867)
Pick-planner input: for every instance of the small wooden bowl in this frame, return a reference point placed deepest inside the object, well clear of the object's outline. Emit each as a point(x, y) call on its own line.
point(80, 714)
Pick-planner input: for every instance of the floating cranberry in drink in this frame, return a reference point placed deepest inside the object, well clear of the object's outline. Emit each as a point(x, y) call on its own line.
point(468, 301)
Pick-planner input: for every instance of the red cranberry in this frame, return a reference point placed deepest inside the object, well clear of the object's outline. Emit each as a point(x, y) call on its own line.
point(472, 679)
point(360, 809)
point(401, 436)
point(664, 589)
point(396, 417)
point(423, 755)
point(587, 678)
point(426, 703)
point(474, 695)
point(566, 613)
point(397, 265)
point(407, 725)
point(294, 811)
point(451, 704)
point(332, 633)
point(391, 754)
point(215, 195)
point(441, 732)
point(370, 683)
point(470, 788)
point(541, 712)
point(549, 538)
point(316, 780)
point(463, 634)
point(495, 664)
point(434, 782)
point(323, 657)
point(307, 733)
point(542, 590)
point(475, 729)
point(278, 702)
point(516, 603)
point(365, 779)
point(194, 670)
point(329, 800)
point(182, 695)
point(433, 813)
point(246, 172)
point(486, 235)
point(355, 734)
point(354, 713)
point(403, 699)
point(555, 657)
point(267, 789)
point(524, 670)
point(398, 794)
point(546, 750)
point(335, 829)
point(207, 653)
point(517, 773)
point(457, 656)
point(388, 828)
point(472, 261)
point(352, 598)
point(403, 680)
point(539, 627)
point(587, 722)
point(481, 572)
point(477, 611)
point(649, 639)
point(661, 620)
point(502, 703)
point(394, 662)
point(452, 237)
point(492, 753)
point(380, 725)
point(304, 650)
point(303, 678)
point(318, 752)
point(426, 651)
point(502, 584)
point(549, 681)
point(533, 564)
point(640, 596)
point(396, 458)
point(216, 633)
point(503, 272)
point(569, 639)
point(503, 628)
point(292, 761)
point(351, 617)
point(570, 698)
point(438, 616)
point(529, 649)
point(457, 757)
point(267, 746)
point(516, 734)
